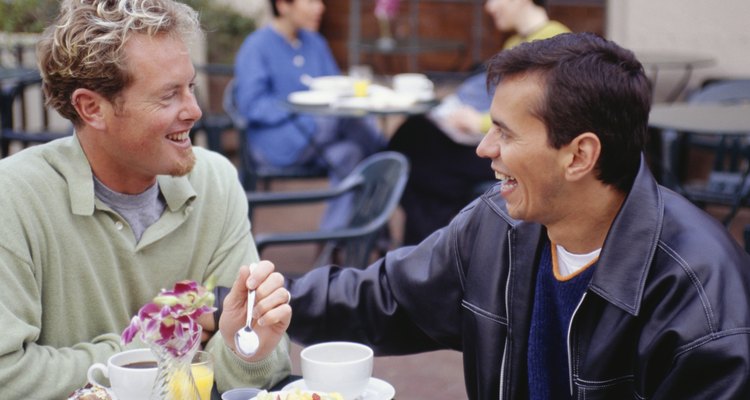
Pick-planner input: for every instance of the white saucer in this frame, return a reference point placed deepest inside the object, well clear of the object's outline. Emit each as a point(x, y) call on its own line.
point(377, 389)
point(312, 97)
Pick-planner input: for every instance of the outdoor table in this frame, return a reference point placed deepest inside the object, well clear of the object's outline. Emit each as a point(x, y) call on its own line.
point(710, 119)
point(656, 62)
point(703, 118)
point(338, 110)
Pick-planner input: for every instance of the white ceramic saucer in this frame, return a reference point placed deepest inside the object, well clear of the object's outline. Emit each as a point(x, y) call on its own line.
point(377, 389)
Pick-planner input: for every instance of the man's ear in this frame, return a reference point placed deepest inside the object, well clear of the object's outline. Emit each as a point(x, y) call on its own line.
point(584, 151)
point(91, 107)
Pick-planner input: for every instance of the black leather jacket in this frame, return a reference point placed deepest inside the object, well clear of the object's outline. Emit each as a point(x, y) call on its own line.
point(666, 315)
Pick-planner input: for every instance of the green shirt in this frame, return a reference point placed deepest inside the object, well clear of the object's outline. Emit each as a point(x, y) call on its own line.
point(548, 30)
point(72, 275)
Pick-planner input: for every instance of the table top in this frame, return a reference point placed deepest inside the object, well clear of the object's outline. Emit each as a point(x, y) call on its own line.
point(333, 109)
point(672, 60)
point(705, 118)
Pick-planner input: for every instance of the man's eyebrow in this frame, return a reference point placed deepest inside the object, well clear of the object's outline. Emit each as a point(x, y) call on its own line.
point(501, 124)
point(175, 85)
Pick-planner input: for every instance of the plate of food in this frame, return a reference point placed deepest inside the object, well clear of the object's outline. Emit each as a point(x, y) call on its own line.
point(377, 389)
point(296, 394)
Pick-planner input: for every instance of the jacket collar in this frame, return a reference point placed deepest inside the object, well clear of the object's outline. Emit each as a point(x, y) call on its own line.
point(72, 163)
point(630, 245)
point(628, 249)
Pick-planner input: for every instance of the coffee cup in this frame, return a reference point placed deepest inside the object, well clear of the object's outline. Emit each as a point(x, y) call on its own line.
point(418, 85)
point(131, 374)
point(343, 367)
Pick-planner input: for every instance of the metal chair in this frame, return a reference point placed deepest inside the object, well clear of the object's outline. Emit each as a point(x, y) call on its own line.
point(727, 183)
point(17, 93)
point(376, 184)
point(252, 171)
point(212, 124)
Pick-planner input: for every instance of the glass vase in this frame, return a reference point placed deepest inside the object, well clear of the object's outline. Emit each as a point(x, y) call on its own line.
point(174, 379)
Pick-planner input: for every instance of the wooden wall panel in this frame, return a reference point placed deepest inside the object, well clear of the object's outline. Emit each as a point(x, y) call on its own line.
point(440, 20)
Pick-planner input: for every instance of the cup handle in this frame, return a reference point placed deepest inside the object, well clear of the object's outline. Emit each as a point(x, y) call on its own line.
point(92, 378)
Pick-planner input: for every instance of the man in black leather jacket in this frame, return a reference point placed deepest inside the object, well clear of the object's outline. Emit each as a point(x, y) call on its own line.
point(663, 310)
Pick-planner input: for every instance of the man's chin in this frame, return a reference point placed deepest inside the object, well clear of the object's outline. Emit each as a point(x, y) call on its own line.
point(184, 166)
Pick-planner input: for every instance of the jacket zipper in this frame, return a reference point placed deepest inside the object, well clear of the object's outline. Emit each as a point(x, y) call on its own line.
point(507, 313)
point(570, 347)
point(502, 367)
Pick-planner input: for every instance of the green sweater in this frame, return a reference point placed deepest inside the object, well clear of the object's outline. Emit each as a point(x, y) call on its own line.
point(72, 275)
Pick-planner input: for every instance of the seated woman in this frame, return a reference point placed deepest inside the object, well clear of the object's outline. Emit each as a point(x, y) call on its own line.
point(279, 59)
point(445, 171)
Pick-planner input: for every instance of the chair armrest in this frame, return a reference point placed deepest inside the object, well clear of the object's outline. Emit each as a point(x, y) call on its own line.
point(264, 240)
point(279, 198)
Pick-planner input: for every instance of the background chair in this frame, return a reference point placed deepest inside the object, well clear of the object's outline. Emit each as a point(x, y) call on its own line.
point(252, 171)
point(727, 182)
point(213, 124)
point(24, 118)
point(376, 185)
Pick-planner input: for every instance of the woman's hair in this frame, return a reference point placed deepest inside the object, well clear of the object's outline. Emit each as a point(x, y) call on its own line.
point(591, 85)
point(84, 47)
point(274, 9)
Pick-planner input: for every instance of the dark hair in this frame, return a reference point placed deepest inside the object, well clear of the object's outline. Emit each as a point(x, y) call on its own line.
point(591, 85)
point(541, 3)
point(275, 9)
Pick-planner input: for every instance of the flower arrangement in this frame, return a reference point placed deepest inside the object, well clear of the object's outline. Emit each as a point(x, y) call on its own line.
point(385, 13)
point(386, 9)
point(170, 322)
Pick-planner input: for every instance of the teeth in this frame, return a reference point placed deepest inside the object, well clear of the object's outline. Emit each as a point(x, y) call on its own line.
point(179, 136)
point(502, 177)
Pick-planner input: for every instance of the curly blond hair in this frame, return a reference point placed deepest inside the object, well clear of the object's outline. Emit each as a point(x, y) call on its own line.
point(83, 48)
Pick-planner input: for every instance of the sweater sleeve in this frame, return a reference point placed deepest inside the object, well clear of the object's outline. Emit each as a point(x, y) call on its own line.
point(256, 100)
point(238, 248)
point(23, 362)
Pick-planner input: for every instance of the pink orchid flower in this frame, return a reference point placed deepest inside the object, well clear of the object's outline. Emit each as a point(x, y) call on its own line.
point(170, 321)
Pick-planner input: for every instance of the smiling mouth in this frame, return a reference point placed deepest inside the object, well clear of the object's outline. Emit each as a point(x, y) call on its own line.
point(507, 182)
point(179, 137)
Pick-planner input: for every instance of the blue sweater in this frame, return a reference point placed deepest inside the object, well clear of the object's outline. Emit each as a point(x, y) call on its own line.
point(554, 304)
point(267, 69)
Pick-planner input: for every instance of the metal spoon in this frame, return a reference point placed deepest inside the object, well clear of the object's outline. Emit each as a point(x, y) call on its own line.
point(246, 340)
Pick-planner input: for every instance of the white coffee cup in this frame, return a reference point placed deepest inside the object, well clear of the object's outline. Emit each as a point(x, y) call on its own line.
point(343, 367)
point(414, 84)
point(127, 381)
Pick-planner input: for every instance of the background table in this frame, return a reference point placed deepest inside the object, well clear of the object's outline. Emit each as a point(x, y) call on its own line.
point(710, 119)
point(656, 62)
point(346, 111)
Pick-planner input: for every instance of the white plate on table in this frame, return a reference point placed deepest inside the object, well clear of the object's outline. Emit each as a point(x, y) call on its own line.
point(312, 97)
point(377, 389)
point(339, 84)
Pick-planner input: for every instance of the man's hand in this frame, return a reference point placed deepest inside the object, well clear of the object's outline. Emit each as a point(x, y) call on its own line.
point(271, 314)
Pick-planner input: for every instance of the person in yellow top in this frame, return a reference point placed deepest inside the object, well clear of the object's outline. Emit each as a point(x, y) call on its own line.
point(437, 189)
